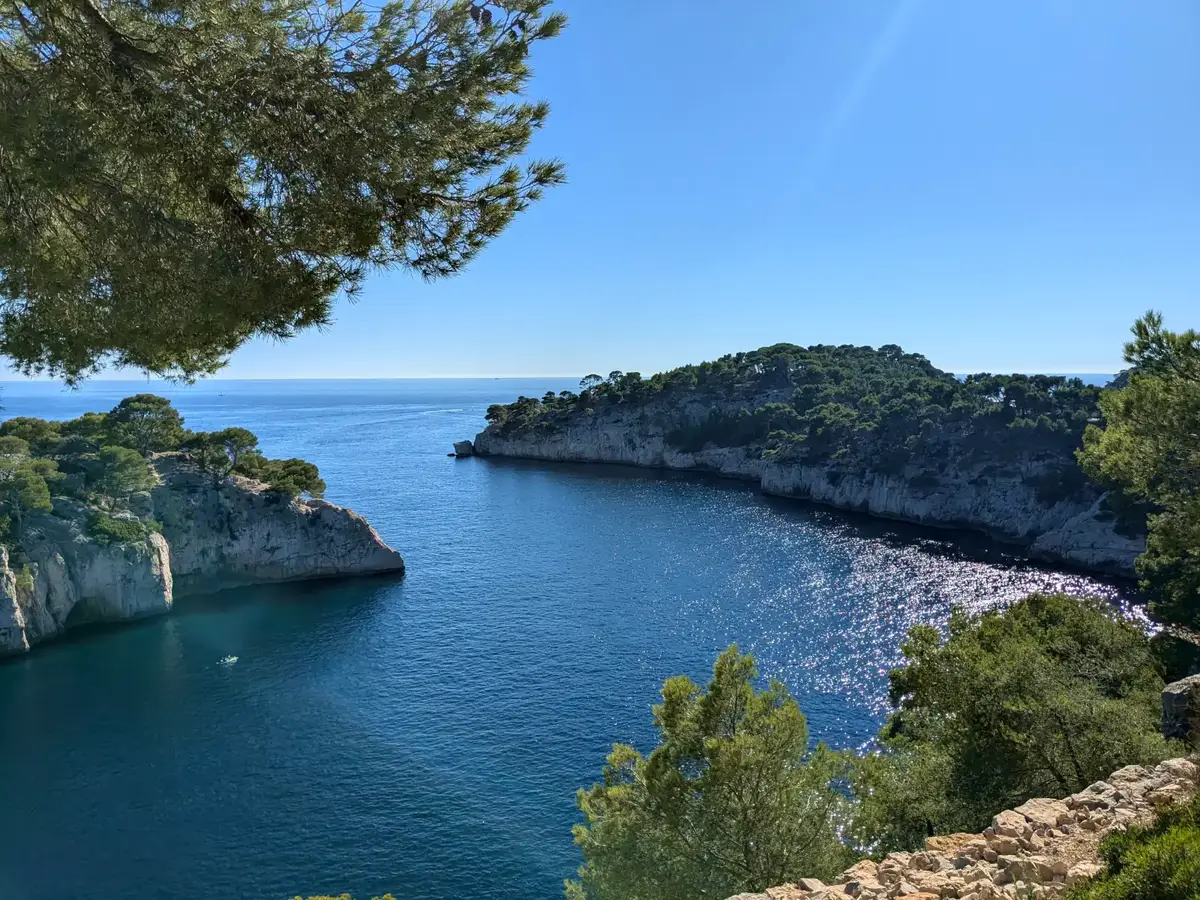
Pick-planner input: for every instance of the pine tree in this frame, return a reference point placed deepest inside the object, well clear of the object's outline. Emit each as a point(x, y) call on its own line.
point(178, 176)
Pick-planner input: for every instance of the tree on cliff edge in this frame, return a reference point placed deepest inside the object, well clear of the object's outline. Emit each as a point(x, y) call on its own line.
point(178, 176)
point(1150, 449)
point(147, 423)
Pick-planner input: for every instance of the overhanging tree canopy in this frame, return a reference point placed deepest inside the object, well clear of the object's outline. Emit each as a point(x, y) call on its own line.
point(177, 176)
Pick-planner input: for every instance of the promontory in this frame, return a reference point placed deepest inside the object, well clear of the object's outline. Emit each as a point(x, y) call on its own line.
point(113, 516)
point(878, 431)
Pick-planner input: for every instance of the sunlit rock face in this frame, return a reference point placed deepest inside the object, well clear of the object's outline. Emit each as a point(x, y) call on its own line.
point(214, 535)
point(236, 532)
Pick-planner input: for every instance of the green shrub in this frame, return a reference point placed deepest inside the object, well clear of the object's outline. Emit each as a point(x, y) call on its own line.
point(104, 529)
point(1156, 862)
point(1039, 700)
point(24, 579)
point(292, 477)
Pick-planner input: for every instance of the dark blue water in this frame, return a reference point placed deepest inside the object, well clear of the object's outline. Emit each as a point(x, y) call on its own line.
point(426, 736)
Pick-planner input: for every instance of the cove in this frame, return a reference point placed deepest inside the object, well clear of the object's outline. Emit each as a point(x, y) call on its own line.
point(426, 736)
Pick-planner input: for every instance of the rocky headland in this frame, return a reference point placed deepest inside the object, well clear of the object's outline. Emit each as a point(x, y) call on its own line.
point(201, 534)
point(876, 432)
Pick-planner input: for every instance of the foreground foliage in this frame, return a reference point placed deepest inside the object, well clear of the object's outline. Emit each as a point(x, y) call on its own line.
point(1157, 862)
point(180, 176)
point(1039, 700)
point(733, 798)
point(1150, 448)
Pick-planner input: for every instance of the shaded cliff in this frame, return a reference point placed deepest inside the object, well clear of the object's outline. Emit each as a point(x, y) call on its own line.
point(215, 533)
point(1077, 531)
point(67, 579)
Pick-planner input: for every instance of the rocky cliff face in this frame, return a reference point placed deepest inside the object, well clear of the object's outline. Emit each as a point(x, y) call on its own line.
point(68, 579)
point(75, 581)
point(237, 533)
point(213, 536)
point(1005, 507)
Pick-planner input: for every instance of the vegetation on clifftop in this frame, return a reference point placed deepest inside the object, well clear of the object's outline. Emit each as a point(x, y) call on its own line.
point(881, 410)
point(1039, 700)
point(1156, 862)
point(100, 460)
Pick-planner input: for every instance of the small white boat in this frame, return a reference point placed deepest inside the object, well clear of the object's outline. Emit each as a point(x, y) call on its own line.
point(228, 661)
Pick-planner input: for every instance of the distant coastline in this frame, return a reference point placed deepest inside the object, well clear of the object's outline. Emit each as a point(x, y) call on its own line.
point(880, 432)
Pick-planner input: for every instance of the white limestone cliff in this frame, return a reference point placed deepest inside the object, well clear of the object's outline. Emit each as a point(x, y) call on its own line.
point(237, 533)
point(213, 536)
point(1005, 507)
point(68, 579)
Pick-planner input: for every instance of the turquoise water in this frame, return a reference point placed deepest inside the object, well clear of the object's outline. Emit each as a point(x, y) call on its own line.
point(426, 735)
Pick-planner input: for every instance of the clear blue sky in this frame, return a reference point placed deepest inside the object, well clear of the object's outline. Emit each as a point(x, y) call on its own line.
point(999, 185)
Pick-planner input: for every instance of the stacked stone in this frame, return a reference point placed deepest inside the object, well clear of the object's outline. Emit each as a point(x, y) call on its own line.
point(1037, 850)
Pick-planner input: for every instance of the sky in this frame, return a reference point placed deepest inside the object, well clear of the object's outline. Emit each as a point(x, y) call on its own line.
point(1001, 186)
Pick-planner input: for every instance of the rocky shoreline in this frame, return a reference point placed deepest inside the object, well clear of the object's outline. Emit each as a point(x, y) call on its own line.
point(1037, 850)
point(1005, 508)
point(214, 535)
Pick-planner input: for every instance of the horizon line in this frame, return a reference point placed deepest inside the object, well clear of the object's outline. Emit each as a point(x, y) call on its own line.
point(1098, 370)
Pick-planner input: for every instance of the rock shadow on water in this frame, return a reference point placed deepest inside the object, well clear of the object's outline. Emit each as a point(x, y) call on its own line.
point(947, 543)
point(332, 606)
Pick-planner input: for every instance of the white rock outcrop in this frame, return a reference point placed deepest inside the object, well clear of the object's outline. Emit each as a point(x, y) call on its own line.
point(1037, 850)
point(1005, 507)
point(68, 579)
point(213, 536)
point(238, 533)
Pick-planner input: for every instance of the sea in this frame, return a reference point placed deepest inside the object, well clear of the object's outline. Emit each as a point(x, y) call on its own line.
point(426, 735)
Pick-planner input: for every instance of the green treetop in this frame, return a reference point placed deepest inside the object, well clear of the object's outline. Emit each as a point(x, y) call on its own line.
point(221, 453)
point(23, 488)
point(120, 471)
point(40, 435)
point(179, 177)
point(291, 476)
point(147, 423)
point(733, 798)
point(1150, 448)
point(12, 446)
